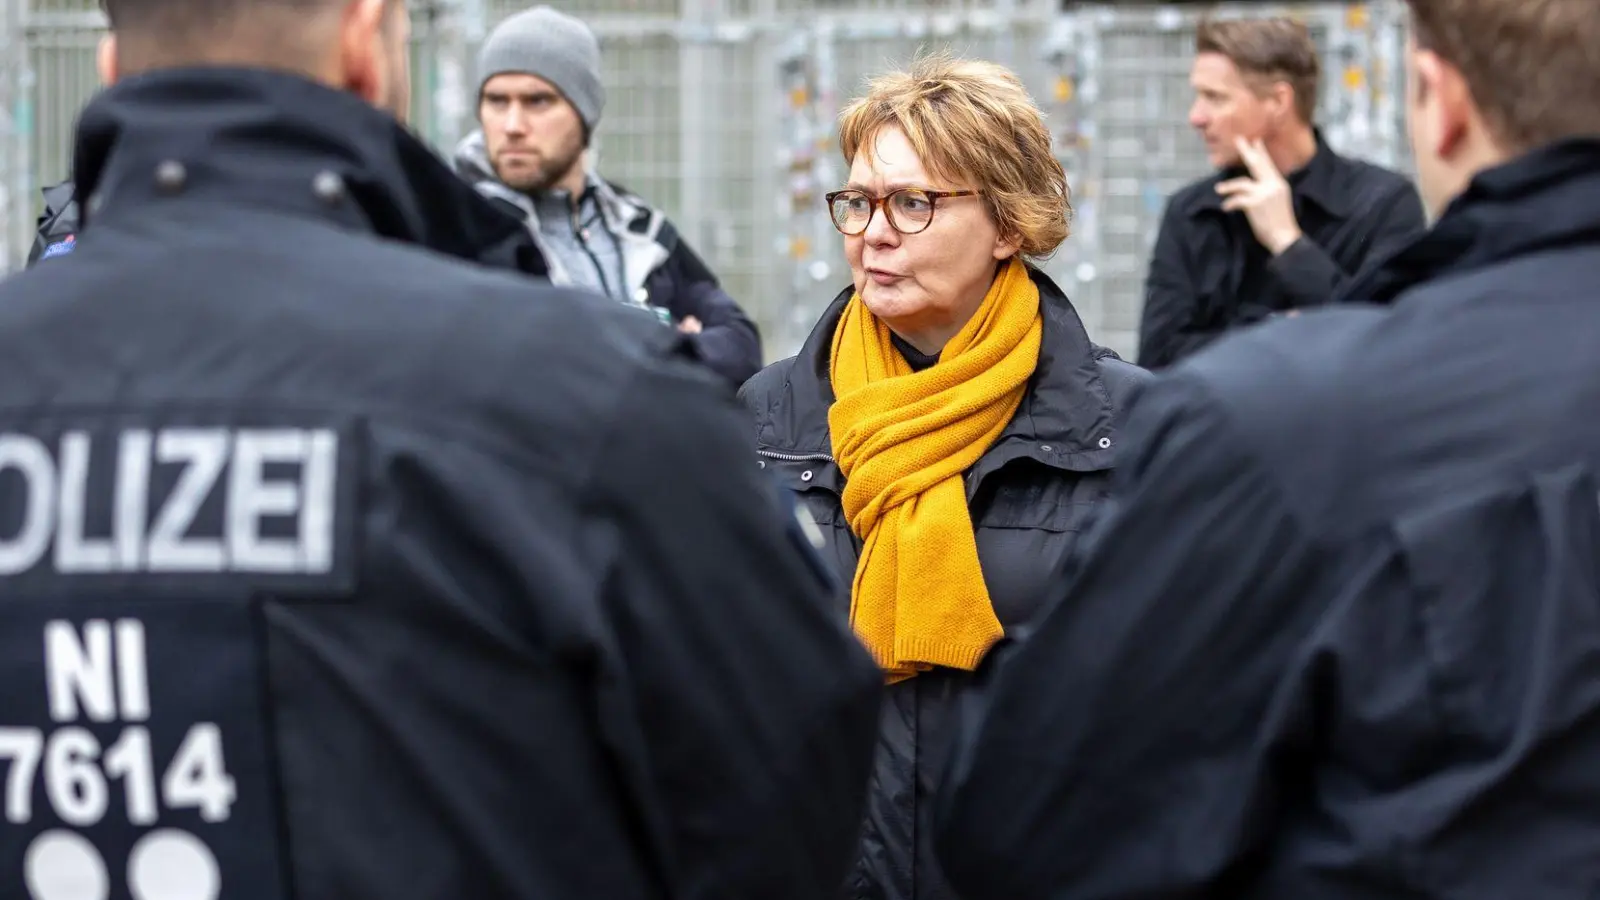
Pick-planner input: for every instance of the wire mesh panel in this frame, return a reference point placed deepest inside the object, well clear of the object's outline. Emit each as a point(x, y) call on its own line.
point(60, 39)
point(16, 115)
point(638, 141)
point(438, 104)
point(63, 64)
point(723, 113)
point(729, 171)
point(828, 64)
point(1135, 64)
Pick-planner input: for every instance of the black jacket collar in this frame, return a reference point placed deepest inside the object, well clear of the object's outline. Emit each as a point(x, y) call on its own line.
point(271, 140)
point(1542, 200)
point(1066, 420)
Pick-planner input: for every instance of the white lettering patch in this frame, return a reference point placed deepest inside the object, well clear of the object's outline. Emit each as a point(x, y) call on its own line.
point(98, 675)
point(172, 500)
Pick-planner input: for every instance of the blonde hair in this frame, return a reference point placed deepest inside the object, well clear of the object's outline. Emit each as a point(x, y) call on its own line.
point(972, 121)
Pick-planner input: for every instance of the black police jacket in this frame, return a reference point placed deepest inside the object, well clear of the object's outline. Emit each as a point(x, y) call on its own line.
point(1030, 497)
point(1338, 635)
point(336, 566)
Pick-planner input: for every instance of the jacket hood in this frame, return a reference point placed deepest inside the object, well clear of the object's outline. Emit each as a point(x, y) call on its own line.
point(275, 140)
point(472, 158)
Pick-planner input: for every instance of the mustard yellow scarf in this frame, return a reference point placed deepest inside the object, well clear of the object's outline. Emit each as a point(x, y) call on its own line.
point(903, 440)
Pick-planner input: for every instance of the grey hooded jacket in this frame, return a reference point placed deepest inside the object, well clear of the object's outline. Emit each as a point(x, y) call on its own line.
point(620, 246)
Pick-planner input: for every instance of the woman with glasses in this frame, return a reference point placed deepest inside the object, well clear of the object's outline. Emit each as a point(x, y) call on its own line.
point(948, 424)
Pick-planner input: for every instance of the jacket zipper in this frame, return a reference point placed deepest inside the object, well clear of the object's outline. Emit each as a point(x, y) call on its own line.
point(578, 229)
point(796, 457)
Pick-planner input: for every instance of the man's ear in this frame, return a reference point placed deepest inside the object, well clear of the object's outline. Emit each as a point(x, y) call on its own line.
point(105, 60)
point(360, 69)
point(1449, 102)
point(1283, 104)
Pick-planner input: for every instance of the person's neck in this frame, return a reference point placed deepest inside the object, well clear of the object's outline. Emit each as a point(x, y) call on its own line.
point(930, 337)
point(573, 183)
point(1476, 155)
point(927, 341)
point(1293, 150)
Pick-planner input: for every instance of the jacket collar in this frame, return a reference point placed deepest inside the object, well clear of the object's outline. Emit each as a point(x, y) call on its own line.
point(277, 141)
point(623, 213)
point(1542, 200)
point(639, 229)
point(472, 158)
point(1065, 420)
point(1317, 181)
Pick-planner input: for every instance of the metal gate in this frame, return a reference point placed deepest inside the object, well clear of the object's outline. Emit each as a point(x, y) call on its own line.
point(1122, 126)
point(825, 63)
point(722, 112)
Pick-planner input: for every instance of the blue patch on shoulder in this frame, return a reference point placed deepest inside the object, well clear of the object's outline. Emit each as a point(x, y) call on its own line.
point(61, 248)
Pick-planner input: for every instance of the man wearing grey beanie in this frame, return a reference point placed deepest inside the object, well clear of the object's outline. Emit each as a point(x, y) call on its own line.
point(540, 99)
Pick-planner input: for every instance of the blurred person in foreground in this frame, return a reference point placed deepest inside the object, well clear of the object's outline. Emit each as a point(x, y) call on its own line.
point(364, 571)
point(948, 423)
point(540, 99)
point(1338, 633)
point(1285, 221)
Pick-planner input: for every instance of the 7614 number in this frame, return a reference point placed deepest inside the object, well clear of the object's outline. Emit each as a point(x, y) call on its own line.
point(76, 774)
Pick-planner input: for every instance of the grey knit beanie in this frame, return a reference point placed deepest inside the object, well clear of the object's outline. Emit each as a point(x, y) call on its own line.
point(554, 46)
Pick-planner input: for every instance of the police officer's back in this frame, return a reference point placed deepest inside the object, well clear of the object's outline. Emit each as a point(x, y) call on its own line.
point(337, 568)
point(1339, 638)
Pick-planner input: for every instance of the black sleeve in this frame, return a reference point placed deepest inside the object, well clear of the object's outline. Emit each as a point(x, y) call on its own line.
point(1166, 329)
point(1313, 278)
point(729, 343)
point(745, 706)
point(1127, 744)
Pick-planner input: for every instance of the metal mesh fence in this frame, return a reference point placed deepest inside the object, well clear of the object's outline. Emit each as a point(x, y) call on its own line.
point(1128, 68)
point(16, 123)
point(722, 111)
point(827, 67)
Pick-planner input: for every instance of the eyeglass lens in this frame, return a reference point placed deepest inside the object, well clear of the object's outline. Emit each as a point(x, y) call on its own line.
point(909, 210)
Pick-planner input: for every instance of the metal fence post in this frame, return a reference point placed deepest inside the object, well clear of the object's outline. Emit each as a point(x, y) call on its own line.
point(16, 134)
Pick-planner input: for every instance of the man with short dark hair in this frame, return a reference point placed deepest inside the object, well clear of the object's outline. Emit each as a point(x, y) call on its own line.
point(1285, 222)
point(540, 99)
point(1337, 637)
point(336, 565)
